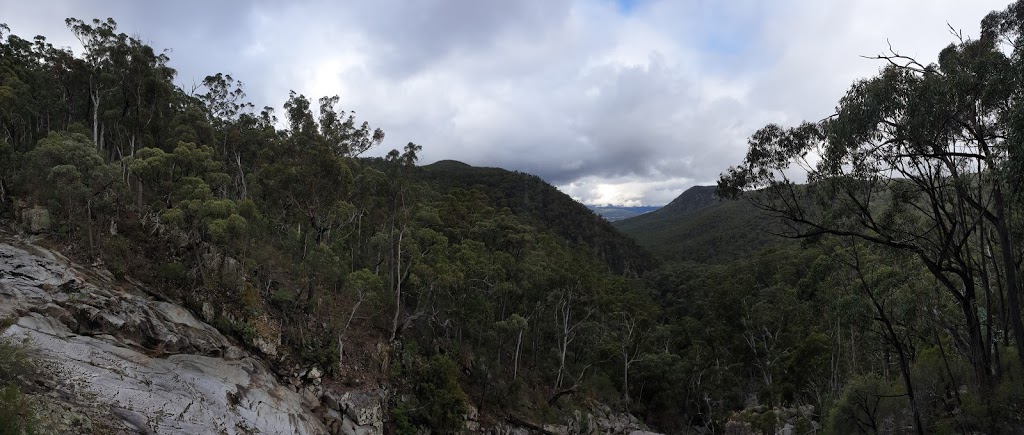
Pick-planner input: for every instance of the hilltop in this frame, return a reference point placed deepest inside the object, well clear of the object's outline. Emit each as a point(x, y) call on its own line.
point(545, 206)
point(698, 226)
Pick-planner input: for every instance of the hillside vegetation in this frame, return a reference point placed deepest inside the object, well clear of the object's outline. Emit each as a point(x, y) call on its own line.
point(461, 290)
point(546, 207)
point(899, 310)
point(698, 226)
point(455, 286)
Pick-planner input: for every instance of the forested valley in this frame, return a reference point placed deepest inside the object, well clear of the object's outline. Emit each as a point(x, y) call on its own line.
point(858, 274)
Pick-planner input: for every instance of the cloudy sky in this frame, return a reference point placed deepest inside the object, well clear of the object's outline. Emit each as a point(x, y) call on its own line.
point(613, 101)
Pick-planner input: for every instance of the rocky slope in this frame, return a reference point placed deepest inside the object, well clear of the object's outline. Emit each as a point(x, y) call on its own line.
point(118, 360)
point(121, 361)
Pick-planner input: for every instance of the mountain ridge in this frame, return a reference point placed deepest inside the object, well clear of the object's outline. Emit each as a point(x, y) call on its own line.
point(699, 226)
point(530, 196)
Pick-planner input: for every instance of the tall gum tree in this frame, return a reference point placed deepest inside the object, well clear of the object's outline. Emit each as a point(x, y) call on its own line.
point(917, 159)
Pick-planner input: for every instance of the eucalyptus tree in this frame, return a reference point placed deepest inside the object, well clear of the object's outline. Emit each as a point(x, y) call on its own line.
point(98, 39)
point(914, 159)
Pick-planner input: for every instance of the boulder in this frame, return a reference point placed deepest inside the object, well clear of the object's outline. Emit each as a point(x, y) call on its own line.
point(362, 411)
point(331, 401)
point(313, 374)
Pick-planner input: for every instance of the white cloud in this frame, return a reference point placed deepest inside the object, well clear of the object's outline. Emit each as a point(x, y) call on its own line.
point(612, 107)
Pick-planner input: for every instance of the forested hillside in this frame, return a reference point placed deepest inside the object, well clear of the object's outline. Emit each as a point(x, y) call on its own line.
point(891, 300)
point(697, 226)
point(456, 287)
point(545, 207)
point(878, 292)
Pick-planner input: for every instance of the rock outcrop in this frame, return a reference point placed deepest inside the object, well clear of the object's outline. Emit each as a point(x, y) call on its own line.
point(126, 362)
point(122, 361)
point(353, 413)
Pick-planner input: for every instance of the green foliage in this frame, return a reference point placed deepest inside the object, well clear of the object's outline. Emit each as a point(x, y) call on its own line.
point(17, 415)
point(173, 273)
point(282, 297)
point(17, 411)
point(697, 226)
point(401, 419)
point(863, 407)
point(515, 289)
point(17, 360)
point(601, 387)
point(441, 401)
point(320, 352)
point(541, 205)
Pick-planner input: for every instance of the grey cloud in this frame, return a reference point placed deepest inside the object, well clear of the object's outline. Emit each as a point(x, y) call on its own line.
point(610, 107)
point(414, 35)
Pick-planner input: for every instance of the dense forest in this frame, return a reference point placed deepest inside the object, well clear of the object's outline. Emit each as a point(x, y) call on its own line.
point(478, 286)
point(887, 299)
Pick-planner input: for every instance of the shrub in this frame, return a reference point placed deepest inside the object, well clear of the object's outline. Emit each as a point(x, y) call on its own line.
point(17, 361)
point(173, 273)
point(863, 406)
point(441, 399)
point(17, 416)
point(400, 417)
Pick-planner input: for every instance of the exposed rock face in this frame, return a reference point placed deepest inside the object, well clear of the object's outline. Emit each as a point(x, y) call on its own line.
point(604, 420)
point(145, 366)
point(599, 420)
point(354, 413)
point(780, 421)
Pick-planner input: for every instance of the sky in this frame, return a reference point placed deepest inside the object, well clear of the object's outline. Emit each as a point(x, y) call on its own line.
point(624, 102)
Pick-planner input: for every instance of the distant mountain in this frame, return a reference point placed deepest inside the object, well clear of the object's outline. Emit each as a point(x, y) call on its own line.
point(616, 213)
point(698, 226)
point(694, 198)
point(448, 165)
point(547, 207)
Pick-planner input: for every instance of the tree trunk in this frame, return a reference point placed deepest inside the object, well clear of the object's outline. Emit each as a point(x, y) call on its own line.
point(341, 352)
point(563, 345)
point(398, 285)
point(1010, 269)
point(515, 363)
point(625, 382)
point(895, 342)
point(979, 357)
point(88, 224)
point(96, 117)
point(241, 176)
point(905, 372)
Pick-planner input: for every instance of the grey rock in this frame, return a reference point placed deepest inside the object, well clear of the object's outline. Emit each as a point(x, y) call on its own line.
point(330, 401)
point(150, 366)
point(208, 313)
point(350, 427)
point(362, 411)
point(556, 429)
point(313, 374)
point(310, 398)
point(268, 347)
